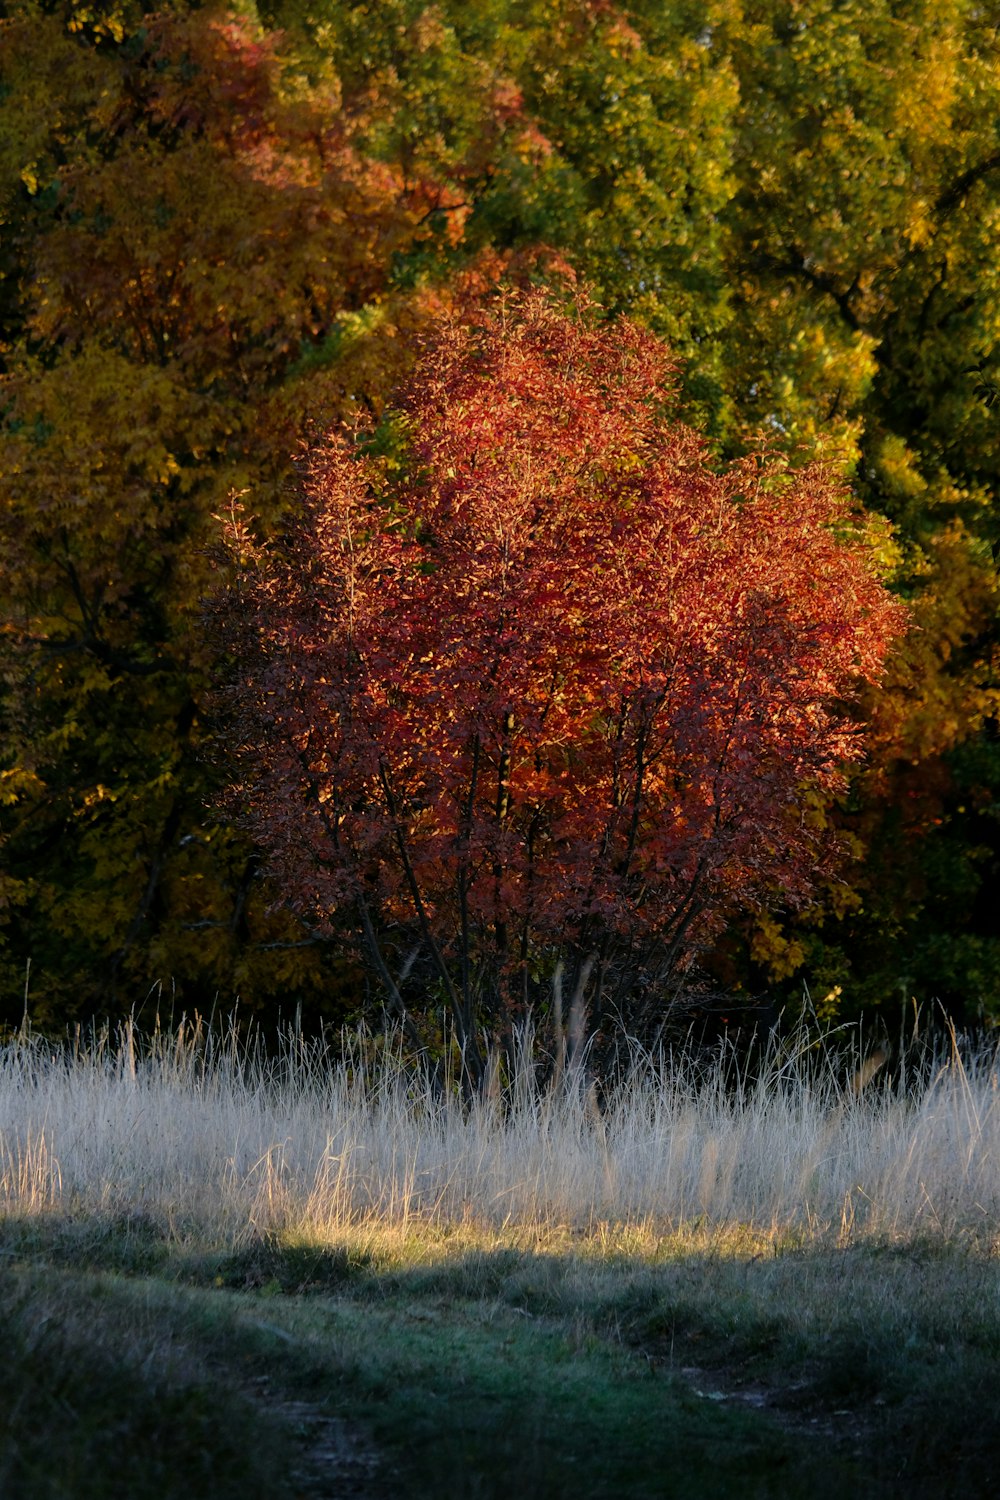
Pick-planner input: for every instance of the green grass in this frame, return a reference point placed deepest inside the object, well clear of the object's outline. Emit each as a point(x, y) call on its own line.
point(449, 1366)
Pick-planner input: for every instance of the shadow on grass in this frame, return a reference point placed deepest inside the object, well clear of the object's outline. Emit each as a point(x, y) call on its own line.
point(156, 1368)
point(277, 1269)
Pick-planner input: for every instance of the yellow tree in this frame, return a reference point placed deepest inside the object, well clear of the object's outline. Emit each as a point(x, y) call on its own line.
point(190, 230)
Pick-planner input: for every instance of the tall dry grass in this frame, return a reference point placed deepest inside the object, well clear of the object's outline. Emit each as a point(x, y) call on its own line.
point(217, 1142)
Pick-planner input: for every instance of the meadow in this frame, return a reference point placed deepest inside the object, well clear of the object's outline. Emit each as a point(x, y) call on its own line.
point(316, 1273)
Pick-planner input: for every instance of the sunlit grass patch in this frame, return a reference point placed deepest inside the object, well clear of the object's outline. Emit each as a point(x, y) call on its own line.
point(210, 1141)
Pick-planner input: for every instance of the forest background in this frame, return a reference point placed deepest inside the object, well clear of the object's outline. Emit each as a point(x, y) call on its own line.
point(222, 231)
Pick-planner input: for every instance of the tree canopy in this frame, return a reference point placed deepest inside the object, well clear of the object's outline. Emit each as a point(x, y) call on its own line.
point(546, 688)
point(223, 229)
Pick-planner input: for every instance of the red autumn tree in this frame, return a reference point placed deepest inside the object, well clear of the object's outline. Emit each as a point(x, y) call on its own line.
point(533, 688)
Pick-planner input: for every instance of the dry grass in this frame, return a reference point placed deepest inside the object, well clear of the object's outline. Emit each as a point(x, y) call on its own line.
point(767, 1283)
point(219, 1145)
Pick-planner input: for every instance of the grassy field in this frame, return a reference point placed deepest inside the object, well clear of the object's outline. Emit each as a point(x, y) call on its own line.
point(227, 1275)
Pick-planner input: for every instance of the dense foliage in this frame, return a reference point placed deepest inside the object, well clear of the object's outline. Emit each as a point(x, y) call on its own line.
point(221, 230)
point(544, 691)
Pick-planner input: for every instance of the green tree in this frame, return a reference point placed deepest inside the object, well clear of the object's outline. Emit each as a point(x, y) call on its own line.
point(601, 131)
point(862, 266)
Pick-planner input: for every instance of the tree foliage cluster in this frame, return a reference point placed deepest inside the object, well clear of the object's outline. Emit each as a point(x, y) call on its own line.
point(543, 698)
point(225, 228)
